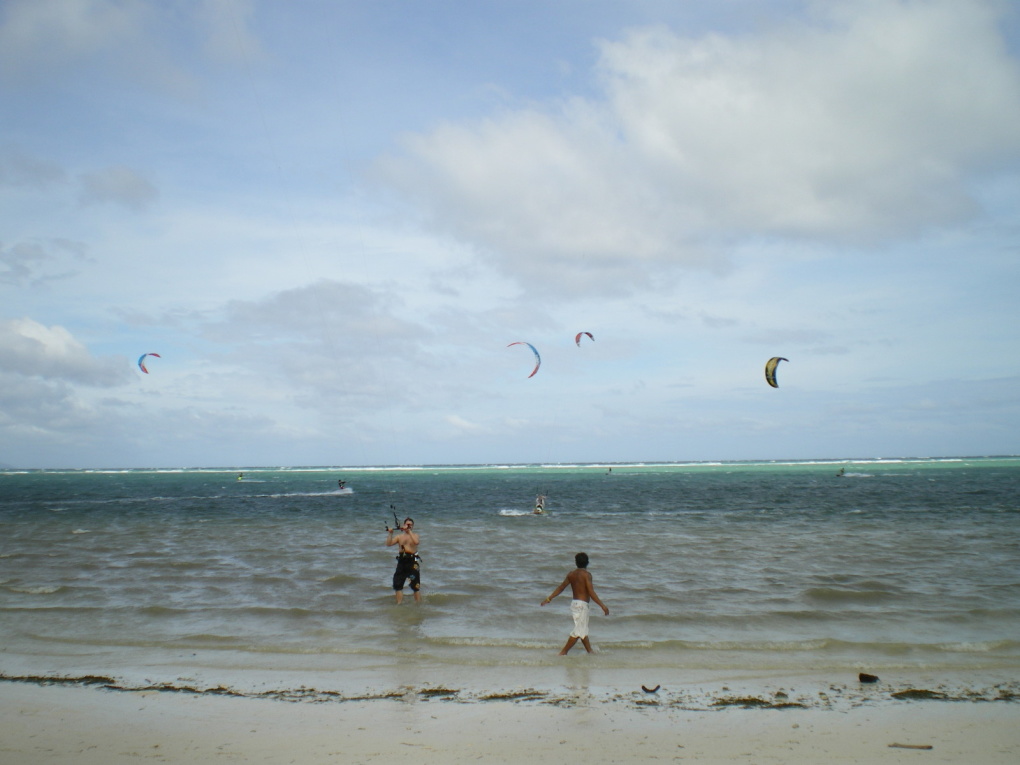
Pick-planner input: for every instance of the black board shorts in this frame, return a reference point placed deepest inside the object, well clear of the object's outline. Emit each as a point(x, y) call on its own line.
point(407, 569)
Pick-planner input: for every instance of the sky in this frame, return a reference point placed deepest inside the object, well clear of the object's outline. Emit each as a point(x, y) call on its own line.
point(331, 219)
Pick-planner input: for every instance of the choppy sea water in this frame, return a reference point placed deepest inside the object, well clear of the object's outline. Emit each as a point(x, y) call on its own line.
point(734, 570)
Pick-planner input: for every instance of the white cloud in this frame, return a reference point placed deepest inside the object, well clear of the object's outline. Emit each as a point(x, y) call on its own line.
point(864, 125)
point(29, 348)
point(868, 123)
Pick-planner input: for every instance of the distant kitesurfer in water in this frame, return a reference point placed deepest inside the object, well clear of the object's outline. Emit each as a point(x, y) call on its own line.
point(583, 591)
point(240, 476)
point(408, 567)
point(341, 483)
point(539, 504)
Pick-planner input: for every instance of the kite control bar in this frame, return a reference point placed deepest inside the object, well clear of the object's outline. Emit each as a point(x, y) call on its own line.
point(396, 521)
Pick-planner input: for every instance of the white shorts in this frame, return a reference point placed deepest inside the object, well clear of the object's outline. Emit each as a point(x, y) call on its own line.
point(579, 610)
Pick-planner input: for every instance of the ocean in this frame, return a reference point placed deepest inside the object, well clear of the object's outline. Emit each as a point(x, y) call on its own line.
point(715, 575)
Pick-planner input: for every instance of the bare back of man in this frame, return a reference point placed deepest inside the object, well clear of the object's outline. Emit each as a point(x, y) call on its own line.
point(580, 585)
point(582, 591)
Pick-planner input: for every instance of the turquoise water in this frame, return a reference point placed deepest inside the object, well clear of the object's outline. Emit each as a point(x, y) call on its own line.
point(735, 567)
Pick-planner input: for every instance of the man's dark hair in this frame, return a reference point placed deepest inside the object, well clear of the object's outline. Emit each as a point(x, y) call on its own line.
point(581, 559)
point(409, 519)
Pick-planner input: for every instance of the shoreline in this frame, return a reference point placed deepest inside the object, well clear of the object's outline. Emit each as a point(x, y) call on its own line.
point(578, 687)
point(92, 726)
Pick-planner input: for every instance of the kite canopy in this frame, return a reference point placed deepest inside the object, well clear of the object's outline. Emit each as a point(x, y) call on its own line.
point(538, 359)
point(141, 361)
point(577, 339)
point(770, 370)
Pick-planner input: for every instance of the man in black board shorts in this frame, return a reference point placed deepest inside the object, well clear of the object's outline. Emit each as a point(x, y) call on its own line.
point(407, 559)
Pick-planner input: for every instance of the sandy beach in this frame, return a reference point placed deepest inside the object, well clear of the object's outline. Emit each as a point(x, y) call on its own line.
point(86, 725)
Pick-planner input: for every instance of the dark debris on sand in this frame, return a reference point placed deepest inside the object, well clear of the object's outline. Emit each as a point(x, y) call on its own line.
point(691, 699)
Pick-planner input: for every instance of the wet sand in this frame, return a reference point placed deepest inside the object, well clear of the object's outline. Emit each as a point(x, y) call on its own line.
point(89, 725)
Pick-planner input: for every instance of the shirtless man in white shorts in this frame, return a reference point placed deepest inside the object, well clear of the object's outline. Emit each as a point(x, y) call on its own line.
point(583, 592)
